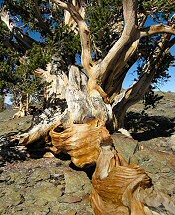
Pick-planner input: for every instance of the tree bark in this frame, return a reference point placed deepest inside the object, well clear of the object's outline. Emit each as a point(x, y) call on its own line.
point(114, 184)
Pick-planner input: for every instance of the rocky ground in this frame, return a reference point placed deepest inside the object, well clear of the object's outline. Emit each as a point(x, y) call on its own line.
point(30, 184)
point(44, 186)
point(9, 125)
point(47, 185)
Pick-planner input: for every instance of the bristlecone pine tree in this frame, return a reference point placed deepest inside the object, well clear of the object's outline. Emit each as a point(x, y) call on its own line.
point(84, 100)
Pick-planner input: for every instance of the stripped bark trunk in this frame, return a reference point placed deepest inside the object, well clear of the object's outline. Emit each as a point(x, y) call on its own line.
point(78, 127)
point(82, 105)
point(69, 102)
point(118, 187)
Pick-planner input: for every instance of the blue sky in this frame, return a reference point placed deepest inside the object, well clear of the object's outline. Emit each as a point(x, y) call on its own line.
point(166, 86)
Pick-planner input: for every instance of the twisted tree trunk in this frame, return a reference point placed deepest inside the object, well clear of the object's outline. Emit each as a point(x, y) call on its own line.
point(78, 126)
point(85, 105)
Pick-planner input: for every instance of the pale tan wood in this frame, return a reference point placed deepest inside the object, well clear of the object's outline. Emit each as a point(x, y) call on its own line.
point(113, 191)
point(118, 187)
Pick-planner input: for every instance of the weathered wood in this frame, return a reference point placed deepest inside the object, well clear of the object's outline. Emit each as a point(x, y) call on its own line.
point(78, 101)
point(82, 141)
point(81, 103)
point(40, 131)
point(20, 113)
point(113, 191)
point(68, 102)
point(118, 187)
point(20, 36)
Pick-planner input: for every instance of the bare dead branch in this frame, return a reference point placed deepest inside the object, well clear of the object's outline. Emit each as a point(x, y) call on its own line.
point(68, 19)
point(136, 92)
point(6, 18)
point(117, 69)
point(86, 55)
point(155, 29)
point(117, 57)
point(22, 38)
point(130, 15)
point(84, 34)
point(40, 131)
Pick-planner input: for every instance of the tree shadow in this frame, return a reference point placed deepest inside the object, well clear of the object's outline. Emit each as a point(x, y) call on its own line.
point(37, 149)
point(49, 108)
point(89, 169)
point(144, 127)
point(63, 156)
point(10, 150)
point(54, 102)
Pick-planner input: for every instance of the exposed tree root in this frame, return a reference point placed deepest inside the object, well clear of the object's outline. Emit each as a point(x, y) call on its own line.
point(41, 130)
point(118, 188)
